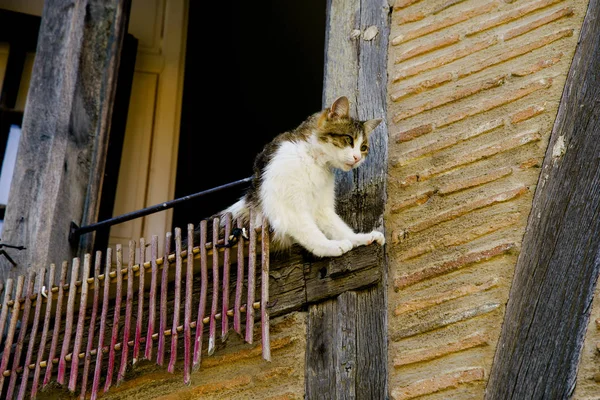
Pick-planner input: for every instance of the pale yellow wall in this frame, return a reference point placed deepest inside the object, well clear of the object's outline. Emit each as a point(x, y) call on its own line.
point(33, 7)
point(148, 165)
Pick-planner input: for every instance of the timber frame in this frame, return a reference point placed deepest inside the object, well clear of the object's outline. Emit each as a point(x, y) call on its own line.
point(346, 354)
point(556, 274)
point(66, 125)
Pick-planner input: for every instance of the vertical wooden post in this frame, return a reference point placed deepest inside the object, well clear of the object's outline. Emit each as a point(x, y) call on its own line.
point(557, 271)
point(347, 334)
point(61, 155)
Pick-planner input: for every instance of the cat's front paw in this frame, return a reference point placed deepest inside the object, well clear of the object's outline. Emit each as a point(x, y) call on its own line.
point(365, 239)
point(333, 248)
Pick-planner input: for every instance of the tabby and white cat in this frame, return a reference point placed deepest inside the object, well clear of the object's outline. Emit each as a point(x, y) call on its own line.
point(293, 182)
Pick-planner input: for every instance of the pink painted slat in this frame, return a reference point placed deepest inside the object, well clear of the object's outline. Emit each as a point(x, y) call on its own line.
point(102, 328)
point(87, 260)
point(212, 330)
point(116, 318)
point(92, 323)
point(32, 338)
point(22, 332)
point(189, 278)
point(202, 303)
point(251, 280)
point(42, 346)
point(226, 270)
point(264, 295)
point(140, 309)
point(128, 311)
point(164, 285)
point(239, 284)
point(4, 313)
point(11, 331)
point(176, 301)
point(62, 361)
point(57, 322)
point(152, 298)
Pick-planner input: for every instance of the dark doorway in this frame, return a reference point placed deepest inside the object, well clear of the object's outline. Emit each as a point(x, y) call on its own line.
point(252, 71)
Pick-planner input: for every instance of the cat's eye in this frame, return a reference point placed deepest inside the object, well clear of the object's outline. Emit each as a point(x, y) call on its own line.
point(364, 147)
point(349, 140)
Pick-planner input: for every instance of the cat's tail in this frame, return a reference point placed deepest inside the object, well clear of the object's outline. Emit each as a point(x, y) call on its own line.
point(238, 209)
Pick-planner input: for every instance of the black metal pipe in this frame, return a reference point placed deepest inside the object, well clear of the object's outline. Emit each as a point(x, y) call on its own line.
point(77, 231)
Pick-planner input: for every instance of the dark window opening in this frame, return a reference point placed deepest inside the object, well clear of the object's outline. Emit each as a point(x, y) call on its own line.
point(252, 71)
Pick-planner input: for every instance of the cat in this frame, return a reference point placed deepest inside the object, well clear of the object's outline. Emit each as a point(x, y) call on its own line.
point(293, 183)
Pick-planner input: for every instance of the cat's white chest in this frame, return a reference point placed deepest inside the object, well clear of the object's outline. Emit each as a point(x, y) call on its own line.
point(295, 180)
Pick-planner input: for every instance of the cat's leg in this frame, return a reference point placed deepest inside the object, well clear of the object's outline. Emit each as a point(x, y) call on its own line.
point(304, 230)
point(334, 227)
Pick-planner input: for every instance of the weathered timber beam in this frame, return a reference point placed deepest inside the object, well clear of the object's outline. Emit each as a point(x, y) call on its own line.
point(60, 160)
point(550, 299)
point(347, 337)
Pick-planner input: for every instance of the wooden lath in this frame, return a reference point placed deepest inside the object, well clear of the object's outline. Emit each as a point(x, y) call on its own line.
point(72, 337)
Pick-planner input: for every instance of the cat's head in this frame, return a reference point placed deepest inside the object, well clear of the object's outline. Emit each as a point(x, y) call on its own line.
point(343, 139)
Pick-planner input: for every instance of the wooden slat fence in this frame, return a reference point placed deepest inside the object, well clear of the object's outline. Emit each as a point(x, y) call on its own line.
point(72, 334)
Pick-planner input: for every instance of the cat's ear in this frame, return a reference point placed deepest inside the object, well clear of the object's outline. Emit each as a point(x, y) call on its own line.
point(339, 108)
point(371, 124)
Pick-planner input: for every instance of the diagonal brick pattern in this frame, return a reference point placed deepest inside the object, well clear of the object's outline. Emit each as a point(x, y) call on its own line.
point(473, 88)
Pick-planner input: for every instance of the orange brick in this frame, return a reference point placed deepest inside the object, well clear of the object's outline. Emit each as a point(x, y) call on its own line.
point(413, 133)
point(538, 66)
point(444, 59)
point(516, 51)
point(438, 383)
point(527, 113)
point(439, 298)
point(475, 181)
point(421, 86)
point(466, 208)
point(277, 372)
point(543, 20)
point(474, 340)
point(443, 143)
point(511, 15)
point(532, 162)
point(474, 155)
point(498, 101)
point(428, 47)
point(400, 4)
point(208, 362)
point(493, 224)
point(439, 101)
point(446, 5)
point(406, 18)
point(209, 388)
point(412, 201)
point(222, 386)
point(444, 23)
point(285, 396)
point(412, 278)
point(424, 325)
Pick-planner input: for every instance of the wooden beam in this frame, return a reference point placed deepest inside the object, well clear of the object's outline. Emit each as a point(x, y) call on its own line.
point(65, 129)
point(551, 295)
point(347, 334)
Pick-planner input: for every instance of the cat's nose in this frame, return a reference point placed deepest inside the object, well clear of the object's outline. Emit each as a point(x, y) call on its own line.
point(356, 158)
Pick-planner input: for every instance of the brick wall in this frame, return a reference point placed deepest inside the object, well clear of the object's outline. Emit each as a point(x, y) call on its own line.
point(235, 371)
point(474, 88)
